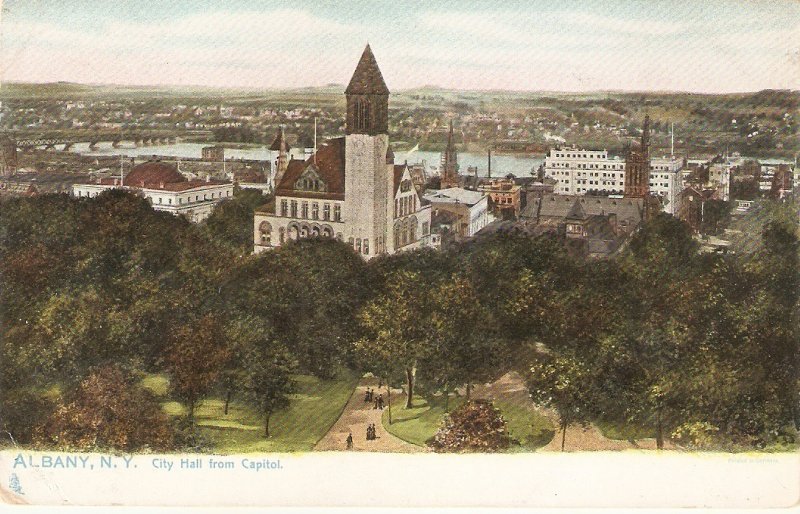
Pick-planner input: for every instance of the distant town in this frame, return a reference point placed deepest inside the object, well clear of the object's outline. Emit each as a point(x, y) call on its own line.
point(722, 152)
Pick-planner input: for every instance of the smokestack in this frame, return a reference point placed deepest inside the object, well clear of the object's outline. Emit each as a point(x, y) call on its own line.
point(489, 175)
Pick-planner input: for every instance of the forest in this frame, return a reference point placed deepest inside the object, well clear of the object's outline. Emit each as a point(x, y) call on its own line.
point(98, 294)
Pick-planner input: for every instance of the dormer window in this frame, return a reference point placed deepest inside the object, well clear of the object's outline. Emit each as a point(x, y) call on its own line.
point(310, 180)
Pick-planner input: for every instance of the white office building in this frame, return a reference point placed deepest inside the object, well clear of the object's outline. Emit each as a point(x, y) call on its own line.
point(579, 172)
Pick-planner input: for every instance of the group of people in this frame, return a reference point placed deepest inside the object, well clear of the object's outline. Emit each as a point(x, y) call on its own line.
point(369, 397)
point(377, 401)
point(371, 436)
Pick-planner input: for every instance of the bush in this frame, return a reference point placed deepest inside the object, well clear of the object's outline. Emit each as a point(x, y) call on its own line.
point(21, 410)
point(107, 410)
point(475, 426)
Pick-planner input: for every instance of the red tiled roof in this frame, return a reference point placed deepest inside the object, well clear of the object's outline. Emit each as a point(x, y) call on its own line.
point(398, 176)
point(153, 173)
point(330, 167)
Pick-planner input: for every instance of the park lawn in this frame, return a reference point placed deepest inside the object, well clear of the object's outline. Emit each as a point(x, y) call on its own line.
point(420, 423)
point(532, 429)
point(624, 431)
point(315, 406)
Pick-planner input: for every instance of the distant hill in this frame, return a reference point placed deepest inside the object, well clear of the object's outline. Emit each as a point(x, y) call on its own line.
point(11, 90)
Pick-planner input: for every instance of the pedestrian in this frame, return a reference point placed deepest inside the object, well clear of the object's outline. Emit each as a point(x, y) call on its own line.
point(366, 396)
point(350, 441)
point(380, 401)
point(371, 394)
point(376, 403)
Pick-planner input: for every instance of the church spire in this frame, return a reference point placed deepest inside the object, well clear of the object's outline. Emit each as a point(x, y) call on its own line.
point(646, 133)
point(367, 98)
point(449, 163)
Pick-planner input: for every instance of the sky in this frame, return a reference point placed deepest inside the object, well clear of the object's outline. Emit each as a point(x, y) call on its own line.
point(708, 46)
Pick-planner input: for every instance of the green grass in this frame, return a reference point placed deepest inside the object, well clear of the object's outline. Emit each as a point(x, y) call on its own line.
point(531, 429)
point(420, 423)
point(314, 408)
point(624, 431)
point(158, 384)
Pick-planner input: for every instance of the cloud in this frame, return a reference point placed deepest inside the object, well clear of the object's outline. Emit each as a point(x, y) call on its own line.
point(597, 22)
point(527, 48)
point(220, 27)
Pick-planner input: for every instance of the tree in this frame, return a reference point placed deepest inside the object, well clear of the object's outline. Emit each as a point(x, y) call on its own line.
point(195, 359)
point(267, 366)
point(231, 221)
point(108, 410)
point(394, 324)
point(464, 346)
point(565, 383)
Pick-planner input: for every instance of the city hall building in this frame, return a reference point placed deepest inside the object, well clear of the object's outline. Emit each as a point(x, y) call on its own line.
point(349, 189)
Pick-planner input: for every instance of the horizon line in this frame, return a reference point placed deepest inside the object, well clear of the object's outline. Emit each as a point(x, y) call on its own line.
point(401, 90)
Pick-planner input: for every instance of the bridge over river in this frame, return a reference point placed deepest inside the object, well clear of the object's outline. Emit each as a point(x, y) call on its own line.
point(64, 140)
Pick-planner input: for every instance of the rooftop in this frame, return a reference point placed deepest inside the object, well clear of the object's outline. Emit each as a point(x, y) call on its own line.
point(454, 195)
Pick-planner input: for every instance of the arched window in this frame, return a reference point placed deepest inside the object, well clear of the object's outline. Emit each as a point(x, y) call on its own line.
point(265, 229)
point(362, 114)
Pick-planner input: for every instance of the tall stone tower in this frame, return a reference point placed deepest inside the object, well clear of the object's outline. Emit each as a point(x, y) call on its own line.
point(449, 163)
point(637, 166)
point(367, 173)
point(367, 98)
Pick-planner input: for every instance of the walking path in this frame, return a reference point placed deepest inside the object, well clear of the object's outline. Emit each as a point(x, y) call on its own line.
point(355, 418)
point(578, 438)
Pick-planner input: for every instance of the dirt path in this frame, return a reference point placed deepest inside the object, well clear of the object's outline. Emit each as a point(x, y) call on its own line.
point(355, 418)
point(590, 438)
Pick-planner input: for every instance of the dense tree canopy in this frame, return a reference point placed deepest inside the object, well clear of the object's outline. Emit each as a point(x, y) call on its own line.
point(698, 349)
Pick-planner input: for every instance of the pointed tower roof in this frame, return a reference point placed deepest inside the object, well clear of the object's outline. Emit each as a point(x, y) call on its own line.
point(450, 136)
point(367, 79)
point(280, 142)
point(576, 212)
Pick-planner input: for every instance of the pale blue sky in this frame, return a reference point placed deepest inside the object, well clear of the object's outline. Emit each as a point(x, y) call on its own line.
point(707, 46)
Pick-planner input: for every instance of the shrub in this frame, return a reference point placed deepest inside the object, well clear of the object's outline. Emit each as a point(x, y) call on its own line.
point(475, 426)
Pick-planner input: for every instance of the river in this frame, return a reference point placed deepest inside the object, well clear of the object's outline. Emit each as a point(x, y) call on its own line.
point(519, 165)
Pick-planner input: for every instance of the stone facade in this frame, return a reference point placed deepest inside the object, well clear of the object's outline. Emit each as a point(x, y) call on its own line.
point(350, 187)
